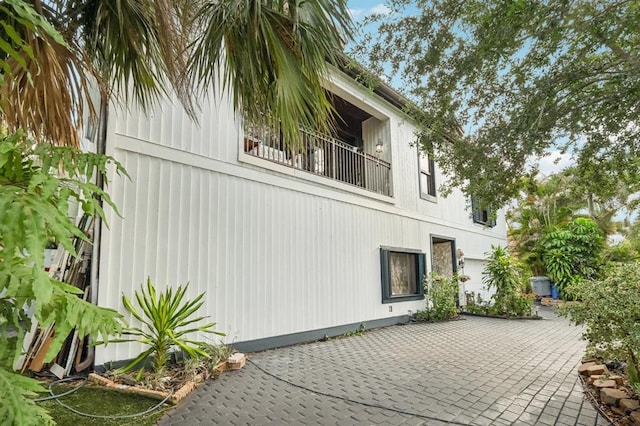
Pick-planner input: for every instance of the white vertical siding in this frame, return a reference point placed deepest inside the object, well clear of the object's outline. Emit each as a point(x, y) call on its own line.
point(374, 130)
point(272, 261)
point(276, 253)
point(214, 136)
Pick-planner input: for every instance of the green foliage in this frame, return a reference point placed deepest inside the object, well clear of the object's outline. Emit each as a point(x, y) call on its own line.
point(543, 206)
point(476, 304)
point(573, 252)
point(16, 393)
point(216, 354)
point(165, 317)
point(271, 56)
point(503, 274)
point(12, 44)
point(36, 184)
point(609, 307)
point(549, 229)
point(440, 298)
point(360, 331)
point(522, 79)
point(624, 251)
point(275, 57)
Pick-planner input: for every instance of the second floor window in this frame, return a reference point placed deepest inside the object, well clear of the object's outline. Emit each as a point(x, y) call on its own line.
point(482, 214)
point(427, 175)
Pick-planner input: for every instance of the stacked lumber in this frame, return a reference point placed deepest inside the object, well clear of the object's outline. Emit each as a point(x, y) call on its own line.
point(77, 272)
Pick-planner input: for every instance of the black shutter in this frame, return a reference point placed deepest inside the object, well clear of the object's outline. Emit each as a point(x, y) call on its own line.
point(384, 274)
point(432, 172)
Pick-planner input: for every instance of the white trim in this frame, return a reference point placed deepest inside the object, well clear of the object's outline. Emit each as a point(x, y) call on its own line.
point(428, 197)
point(373, 201)
point(364, 98)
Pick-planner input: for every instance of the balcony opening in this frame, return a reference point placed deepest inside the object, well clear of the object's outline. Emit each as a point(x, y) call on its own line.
point(347, 155)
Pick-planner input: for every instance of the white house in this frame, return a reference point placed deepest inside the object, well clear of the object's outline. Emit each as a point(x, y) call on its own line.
point(289, 245)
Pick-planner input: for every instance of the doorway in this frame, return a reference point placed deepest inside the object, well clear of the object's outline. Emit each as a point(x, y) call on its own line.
point(443, 258)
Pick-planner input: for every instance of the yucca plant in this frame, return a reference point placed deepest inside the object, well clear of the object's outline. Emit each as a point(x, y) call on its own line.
point(167, 317)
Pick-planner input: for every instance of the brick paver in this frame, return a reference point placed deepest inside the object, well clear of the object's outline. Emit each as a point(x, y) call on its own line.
point(475, 371)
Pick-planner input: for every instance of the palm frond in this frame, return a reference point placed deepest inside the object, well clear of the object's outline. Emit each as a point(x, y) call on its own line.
point(272, 57)
point(44, 95)
point(136, 47)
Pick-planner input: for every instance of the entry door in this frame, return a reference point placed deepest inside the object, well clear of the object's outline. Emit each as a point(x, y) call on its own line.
point(443, 256)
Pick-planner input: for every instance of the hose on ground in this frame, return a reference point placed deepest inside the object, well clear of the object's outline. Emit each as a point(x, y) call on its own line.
point(57, 398)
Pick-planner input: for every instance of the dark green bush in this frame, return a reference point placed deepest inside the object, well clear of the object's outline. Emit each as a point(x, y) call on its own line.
point(574, 252)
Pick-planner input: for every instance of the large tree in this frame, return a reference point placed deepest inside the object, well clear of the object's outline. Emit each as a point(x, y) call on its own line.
point(521, 78)
point(272, 55)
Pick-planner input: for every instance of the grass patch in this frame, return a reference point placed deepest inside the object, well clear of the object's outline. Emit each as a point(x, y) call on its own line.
point(98, 400)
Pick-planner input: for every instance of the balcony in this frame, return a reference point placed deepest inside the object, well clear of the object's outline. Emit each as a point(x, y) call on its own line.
point(322, 155)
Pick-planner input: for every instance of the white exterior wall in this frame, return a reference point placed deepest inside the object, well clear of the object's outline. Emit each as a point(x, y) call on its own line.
point(278, 251)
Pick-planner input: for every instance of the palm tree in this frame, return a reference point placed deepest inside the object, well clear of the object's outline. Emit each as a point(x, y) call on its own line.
point(544, 206)
point(272, 55)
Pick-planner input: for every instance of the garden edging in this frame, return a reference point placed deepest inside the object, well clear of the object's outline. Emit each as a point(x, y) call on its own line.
point(235, 362)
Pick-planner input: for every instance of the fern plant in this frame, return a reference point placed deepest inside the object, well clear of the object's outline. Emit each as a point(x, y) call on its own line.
point(168, 317)
point(36, 184)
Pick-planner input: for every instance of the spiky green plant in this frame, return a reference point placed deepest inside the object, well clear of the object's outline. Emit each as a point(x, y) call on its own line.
point(168, 318)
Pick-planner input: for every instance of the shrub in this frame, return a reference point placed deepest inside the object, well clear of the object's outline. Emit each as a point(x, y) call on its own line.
point(609, 308)
point(165, 316)
point(503, 274)
point(440, 298)
point(573, 252)
point(475, 304)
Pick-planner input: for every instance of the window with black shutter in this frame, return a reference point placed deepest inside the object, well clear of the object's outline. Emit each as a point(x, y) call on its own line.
point(482, 214)
point(402, 271)
point(427, 175)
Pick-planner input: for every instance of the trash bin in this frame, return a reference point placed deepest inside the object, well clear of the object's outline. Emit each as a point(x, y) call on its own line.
point(555, 292)
point(541, 286)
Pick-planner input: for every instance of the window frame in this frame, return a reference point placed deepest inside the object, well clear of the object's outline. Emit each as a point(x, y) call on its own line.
point(482, 216)
point(427, 167)
point(385, 274)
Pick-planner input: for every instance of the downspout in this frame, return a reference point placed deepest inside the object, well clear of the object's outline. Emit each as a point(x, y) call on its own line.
point(101, 145)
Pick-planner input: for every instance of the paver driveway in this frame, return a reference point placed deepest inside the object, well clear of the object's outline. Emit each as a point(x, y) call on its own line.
point(475, 371)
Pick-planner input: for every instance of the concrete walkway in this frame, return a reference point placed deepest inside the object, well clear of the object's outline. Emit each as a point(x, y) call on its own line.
point(475, 371)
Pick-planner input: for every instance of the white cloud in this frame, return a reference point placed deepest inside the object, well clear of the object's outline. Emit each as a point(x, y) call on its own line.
point(379, 9)
point(554, 162)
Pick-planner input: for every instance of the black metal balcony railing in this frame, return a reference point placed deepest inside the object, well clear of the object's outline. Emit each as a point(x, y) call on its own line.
point(322, 155)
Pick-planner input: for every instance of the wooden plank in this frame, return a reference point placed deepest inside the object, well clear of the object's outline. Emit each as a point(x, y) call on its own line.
point(38, 360)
